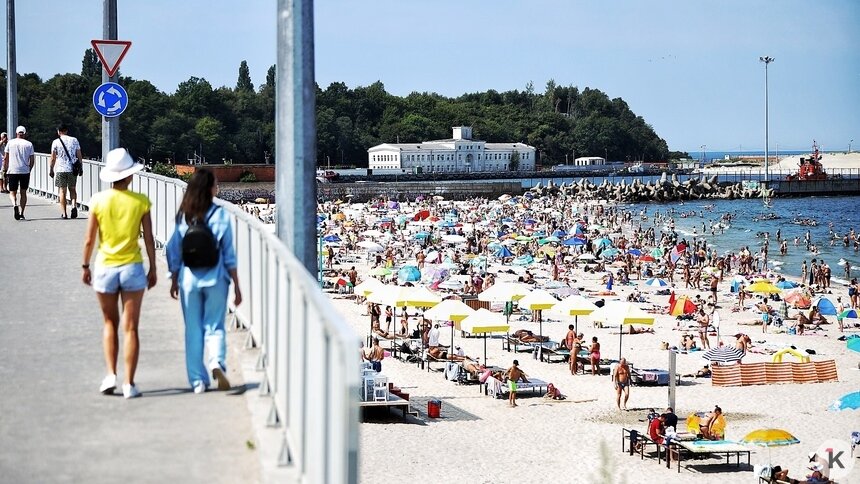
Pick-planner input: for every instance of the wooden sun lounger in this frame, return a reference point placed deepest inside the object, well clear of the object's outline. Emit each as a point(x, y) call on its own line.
point(552, 350)
point(707, 447)
point(497, 388)
point(393, 402)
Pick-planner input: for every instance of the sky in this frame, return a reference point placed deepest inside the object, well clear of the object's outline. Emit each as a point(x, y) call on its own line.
point(691, 69)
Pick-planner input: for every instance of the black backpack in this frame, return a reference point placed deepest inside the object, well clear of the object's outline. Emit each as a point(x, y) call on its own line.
point(199, 246)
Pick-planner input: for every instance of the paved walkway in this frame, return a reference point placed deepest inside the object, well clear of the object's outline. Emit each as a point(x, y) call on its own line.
point(54, 424)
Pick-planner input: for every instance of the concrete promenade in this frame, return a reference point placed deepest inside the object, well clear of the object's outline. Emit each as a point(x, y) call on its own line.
point(54, 424)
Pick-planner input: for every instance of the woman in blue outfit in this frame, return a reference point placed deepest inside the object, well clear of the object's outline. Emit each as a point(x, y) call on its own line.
point(202, 291)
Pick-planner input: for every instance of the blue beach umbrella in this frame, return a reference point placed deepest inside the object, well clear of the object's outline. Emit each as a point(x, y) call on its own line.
point(656, 282)
point(574, 241)
point(409, 274)
point(850, 401)
point(635, 252)
point(854, 344)
point(331, 238)
point(612, 251)
point(549, 239)
point(559, 233)
point(503, 251)
point(523, 260)
point(422, 235)
point(604, 242)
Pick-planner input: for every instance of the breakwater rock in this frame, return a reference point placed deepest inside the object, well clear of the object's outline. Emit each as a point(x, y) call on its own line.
point(665, 190)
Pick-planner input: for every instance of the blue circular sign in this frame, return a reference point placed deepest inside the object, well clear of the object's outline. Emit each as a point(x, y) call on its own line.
point(110, 99)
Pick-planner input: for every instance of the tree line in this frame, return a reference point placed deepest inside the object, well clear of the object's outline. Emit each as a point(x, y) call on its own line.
point(237, 124)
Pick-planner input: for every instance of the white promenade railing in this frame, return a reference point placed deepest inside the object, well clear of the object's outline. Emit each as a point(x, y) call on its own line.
point(307, 352)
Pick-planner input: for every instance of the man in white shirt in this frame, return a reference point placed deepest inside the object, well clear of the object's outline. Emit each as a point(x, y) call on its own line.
point(433, 337)
point(65, 151)
point(18, 159)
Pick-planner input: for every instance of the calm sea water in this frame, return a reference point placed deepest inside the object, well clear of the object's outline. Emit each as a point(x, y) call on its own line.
point(744, 230)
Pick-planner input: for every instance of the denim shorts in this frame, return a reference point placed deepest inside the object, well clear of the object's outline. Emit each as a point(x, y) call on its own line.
point(111, 280)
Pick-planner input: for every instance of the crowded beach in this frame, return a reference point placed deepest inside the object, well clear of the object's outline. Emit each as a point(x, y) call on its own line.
point(542, 327)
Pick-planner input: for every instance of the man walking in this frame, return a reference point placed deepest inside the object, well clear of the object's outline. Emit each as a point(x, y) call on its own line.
point(67, 151)
point(18, 160)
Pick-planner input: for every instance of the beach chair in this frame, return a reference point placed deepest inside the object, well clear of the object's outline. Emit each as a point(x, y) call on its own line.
point(693, 423)
point(380, 389)
point(718, 428)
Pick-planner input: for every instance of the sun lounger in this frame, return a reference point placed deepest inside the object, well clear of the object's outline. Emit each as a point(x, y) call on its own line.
point(705, 448)
point(651, 376)
point(552, 350)
point(633, 441)
point(498, 389)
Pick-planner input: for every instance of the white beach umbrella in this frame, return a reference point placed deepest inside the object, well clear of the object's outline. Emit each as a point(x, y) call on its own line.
point(454, 239)
point(623, 313)
point(538, 300)
point(370, 246)
point(575, 306)
point(483, 322)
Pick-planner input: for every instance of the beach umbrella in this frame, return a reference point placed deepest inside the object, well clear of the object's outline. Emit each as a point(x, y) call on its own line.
point(421, 215)
point(603, 242)
point(367, 286)
point(331, 238)
point(723, 354)
point(656, 282)
point(635, 252)
point(586, 256)
point(483, 322)
point(454, 239)
point(573, 241)
point(575, 306)
point(408, 274)
point(656, 252)
point(381, 271)
point(523, 260)
point(848, 314)
point(763, 287)
point(390, 295)
point(647, 258)
point(503, 252)
point(370, 246)
point(504, 292)
point(825, 306)
point(559, 233)
point(623, 313)
point(610, 252)
point(853, 344)
point(769, 438)
point(785, 285)
point(421, 235)
point(538, 300)
point(421, 297)
point(551, 238)
point(850, 401)
point(449, 310)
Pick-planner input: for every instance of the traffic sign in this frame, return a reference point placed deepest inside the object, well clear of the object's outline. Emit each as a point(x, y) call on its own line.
point(111, 53)
point(110, 99)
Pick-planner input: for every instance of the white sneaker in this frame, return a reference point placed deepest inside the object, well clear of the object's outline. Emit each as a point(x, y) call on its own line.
point(199, 387)
point(130, 391)
point(108, 385)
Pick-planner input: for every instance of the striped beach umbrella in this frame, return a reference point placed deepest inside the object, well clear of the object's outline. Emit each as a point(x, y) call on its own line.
point(723, 354)
point(656, 282)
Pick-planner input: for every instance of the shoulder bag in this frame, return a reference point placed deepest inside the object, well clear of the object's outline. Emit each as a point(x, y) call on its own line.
point(77, 166)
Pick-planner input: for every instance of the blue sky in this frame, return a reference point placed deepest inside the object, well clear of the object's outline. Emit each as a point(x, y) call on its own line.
point(690, 68)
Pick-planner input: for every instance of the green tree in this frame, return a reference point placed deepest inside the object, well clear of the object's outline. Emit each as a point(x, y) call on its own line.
point(244, 82)
point(91, 67)
point(270, 77)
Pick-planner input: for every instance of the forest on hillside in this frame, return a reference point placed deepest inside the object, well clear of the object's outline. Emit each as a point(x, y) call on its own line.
point(236, 124)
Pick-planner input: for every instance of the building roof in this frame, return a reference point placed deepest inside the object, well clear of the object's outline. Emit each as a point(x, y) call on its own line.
point(444, 144)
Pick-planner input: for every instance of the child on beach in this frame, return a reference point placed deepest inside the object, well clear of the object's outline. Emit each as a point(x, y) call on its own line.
point(513, 375)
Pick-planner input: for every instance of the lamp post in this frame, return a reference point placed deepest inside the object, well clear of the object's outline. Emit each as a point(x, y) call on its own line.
point(767, 60)
point(702, 163)
point(849, 145)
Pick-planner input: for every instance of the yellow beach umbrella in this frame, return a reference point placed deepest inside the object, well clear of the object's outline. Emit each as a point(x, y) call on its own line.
point(504, 292)
point(623, 313)
point(449, 310)
point(576, 306)
point(769, 438)
point(421, 297)
point(483, 322)
point(763, 287)
point(367, 286)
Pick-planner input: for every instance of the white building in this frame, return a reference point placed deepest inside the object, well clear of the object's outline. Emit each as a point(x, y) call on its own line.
point(589, 161)
point(459, 154)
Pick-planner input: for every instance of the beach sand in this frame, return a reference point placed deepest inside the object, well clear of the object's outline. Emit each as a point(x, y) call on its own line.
point(482, 440)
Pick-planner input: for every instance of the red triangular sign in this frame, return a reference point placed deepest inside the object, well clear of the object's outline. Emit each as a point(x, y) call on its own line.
point(111, 53)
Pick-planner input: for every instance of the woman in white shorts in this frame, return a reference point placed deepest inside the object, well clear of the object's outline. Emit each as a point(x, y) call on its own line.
point(117, 216)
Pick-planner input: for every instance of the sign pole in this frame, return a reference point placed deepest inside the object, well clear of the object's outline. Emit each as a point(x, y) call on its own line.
point(11, 71)
point(672, 378)
point(110, 126)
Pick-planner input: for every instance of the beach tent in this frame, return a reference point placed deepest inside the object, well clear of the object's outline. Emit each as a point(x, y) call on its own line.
point(682, 305)
point(798, 299)
point(623, 313)
point(483, 322)
point(825, 306)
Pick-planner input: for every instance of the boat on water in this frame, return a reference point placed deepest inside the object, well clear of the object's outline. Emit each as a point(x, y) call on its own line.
point(810, 168)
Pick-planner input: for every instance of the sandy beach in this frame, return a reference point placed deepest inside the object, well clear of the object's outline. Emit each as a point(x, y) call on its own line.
point(481, 439)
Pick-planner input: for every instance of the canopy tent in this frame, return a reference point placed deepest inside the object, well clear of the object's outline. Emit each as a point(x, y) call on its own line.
point(483, 322)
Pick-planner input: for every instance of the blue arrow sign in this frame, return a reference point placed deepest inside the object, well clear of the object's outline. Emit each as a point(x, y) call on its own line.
point(110, 99)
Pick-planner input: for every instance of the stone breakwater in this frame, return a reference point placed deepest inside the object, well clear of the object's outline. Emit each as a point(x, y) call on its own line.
point(664, 190)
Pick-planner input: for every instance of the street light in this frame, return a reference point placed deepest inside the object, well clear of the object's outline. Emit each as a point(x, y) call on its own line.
point(702, 162)
point(767, 60)
point(849, 145)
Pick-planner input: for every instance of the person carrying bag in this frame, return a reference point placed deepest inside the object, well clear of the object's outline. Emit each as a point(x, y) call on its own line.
point(202, 263)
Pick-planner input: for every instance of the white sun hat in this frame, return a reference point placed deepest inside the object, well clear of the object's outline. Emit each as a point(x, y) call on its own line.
point(119, 165)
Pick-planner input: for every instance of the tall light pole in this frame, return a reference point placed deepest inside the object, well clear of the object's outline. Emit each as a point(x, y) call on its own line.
point(702, 163)
point(11, 71)
point(767, 60)
point(849, 145)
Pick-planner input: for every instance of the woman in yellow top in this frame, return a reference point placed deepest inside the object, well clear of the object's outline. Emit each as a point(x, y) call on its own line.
point(117, 216)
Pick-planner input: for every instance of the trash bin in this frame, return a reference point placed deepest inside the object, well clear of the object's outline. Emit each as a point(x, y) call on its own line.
point(434, 407)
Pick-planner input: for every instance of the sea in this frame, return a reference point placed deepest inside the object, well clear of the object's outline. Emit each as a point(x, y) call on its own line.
point(747, 228)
